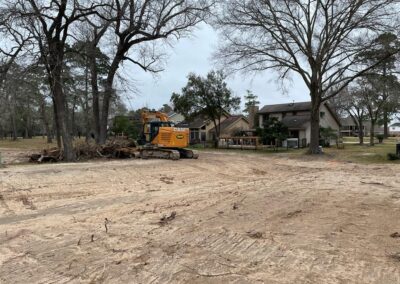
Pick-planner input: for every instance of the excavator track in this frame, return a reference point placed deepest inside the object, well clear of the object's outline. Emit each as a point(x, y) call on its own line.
point(188, 153)
point(165, 153)
point(159, 153)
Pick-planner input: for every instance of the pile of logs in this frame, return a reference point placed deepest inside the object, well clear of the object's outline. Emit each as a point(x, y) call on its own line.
point(117, 149)
point(47, 155)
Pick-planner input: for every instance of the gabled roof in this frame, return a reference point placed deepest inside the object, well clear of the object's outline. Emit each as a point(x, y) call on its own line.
point(198, 121)
point(397, 124)
point(296, 121)
point(288, 107)
point(295, 107)
point(229, 121)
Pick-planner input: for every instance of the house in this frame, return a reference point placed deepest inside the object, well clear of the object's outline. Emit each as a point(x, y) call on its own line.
point(232, 125)
point(350, 127)
point(297, 117)
point(394, 129)
point(202, 129)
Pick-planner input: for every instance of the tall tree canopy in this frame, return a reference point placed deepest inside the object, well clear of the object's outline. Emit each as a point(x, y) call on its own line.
point(250, 101)
point(105, 34)
point(140, 29)
point(209, 97)
point(320, 40)
point(384, 73)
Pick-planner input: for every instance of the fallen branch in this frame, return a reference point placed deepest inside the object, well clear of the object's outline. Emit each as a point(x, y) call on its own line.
point(106, 221)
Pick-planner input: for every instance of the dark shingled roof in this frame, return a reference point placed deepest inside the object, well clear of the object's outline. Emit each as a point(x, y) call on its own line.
point(288, 107)
point(296, 121)
point(346, 121)
point(294, 107)
point(198, 122)
point(229, 121)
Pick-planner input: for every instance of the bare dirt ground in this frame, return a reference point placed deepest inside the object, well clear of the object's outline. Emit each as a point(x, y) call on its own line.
point(15, 156)
point(239, 218)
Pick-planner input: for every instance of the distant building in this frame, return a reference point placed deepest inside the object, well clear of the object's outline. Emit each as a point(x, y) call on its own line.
point(394, 129)
point(350, 127)
point(202, 129)
point(297, 117)
point(233, 125)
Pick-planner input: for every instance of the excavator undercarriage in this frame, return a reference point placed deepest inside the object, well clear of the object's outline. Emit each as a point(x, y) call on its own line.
point(166, 153)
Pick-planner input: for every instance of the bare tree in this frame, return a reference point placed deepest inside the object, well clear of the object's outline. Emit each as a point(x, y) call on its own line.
point(352, 102)
point(318, 39)
point(17, 39)
point(137, 26)
point(50, 24)
point(8, 56)
point(94, 31)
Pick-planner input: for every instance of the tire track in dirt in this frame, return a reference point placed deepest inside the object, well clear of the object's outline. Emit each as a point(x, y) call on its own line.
point(207, 242)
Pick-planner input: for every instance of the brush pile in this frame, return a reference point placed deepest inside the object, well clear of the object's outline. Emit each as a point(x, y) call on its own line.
point(113, 149)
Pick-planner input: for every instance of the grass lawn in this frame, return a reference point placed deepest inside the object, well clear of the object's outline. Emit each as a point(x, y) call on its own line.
point(352, 151)
point(365, 153)
point(36, 143)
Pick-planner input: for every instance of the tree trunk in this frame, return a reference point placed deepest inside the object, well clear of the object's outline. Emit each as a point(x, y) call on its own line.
point(372, 133)
point(60, 108)
point(73, 124)
point(108, 93)
point(29, 130)
point(56, 125)
point(95, 94)
point(59, 99)
point(361, 132)
point(42, 105)
point(314, 137)
point(216, 130)
point(385, 97)
point(385, 124)
point(14, 126)
point(85, 106)
point(13, 119)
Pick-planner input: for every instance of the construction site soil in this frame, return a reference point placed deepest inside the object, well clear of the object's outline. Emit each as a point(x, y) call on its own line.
point(224, 218)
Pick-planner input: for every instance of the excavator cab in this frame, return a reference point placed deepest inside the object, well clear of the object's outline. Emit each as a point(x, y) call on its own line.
point(155, 126)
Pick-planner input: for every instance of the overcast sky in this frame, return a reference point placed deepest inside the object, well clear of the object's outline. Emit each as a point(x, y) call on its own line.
point(194, 55)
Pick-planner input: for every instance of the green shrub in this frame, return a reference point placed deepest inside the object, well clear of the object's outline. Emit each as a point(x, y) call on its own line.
point(122, 124)
point(392, 157)
point(379, 137)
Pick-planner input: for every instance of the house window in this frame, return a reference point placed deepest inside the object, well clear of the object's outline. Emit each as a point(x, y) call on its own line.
point(194, 134)
point(321, 114)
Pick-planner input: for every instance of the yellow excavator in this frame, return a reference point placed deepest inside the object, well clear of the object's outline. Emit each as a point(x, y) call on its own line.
point(161, 139)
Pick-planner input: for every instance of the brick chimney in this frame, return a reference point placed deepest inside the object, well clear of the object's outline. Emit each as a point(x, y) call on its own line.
point(253, 117)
